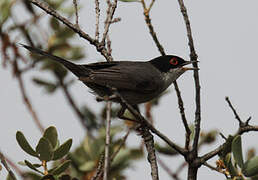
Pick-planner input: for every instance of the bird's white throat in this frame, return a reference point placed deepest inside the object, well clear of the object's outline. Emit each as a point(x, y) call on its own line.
point(170, 76)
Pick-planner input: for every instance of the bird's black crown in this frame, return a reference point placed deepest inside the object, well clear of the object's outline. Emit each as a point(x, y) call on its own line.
point(167, 62)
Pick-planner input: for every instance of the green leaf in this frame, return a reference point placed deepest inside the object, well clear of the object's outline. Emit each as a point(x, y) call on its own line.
point(9, 177)
point(44, 149)
point(76, 53)
point(54, 23)
point(51, 134)
point(65, 33)
point(228, 163)
point(63, 149)
point(49, 86)
point(237, 151)
point(167, 150)
point(37, 165)
point(22, 163)
point(5, 9)
point(61, 168)
point(250, 167)
point(136, 153)
point(31, 166)
point(88, 166)
point(24, 144)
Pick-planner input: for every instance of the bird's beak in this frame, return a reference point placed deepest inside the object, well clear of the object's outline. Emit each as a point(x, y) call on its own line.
point(190, 68)
point(189, 62)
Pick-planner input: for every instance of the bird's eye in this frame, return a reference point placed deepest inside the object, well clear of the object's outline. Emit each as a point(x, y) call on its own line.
point(173, 61)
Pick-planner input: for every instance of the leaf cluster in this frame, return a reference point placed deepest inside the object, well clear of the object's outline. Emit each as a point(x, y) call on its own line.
point(234, 164)
point(48, 149)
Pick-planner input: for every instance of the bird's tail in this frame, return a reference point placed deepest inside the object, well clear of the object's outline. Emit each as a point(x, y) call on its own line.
point(78, 70)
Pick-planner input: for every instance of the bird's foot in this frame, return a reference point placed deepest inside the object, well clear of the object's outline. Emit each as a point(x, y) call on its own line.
point(106, 98)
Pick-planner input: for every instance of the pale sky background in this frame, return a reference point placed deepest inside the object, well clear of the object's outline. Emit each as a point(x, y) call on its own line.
point(225, 36)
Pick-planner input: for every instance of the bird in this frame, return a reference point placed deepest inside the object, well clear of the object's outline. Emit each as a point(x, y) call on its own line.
point(136, 81)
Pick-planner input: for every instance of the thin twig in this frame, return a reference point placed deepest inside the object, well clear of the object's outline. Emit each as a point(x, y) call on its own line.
point(14, 166)
point(211, 154)
point(215, 169)
point(162, 52)
point(72, 103)
point(3, 161)
point(142, 120)
point(97, 10)
point(110, 12)
point(115, 20)
point(26, 99)
point(107, 158)
point(151, 28)
point(181, 167)
point(109, 49)
point(182, 112)
point(166, 168)
point(100, 48)
point(99, 170)
point(120, 145)
point(234, 111)
point(76, 13)
point(193, 57)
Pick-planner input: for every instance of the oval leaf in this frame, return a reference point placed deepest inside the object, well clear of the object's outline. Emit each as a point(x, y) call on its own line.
point(24, 144)
point(87, 166)
point(51, 134)
point(232, 170)
point(250, 167)
point(237, 151)
point(61, 168)
point(63, 149)
point(30, 165)
point(44, 149)
point(167, 150)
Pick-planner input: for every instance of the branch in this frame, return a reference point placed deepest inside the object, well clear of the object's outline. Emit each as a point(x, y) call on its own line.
point(120, 145)
point(218, 150)
point(110, 12)
point(3, 161)
point(25, 98)
point(166, 168)
point(149, 143)
point(97, 10)
point(142, 120)
point(150, 26)
point(99, 170)
point(234, 111)
point(72, 103)
point(182, 112)
point(107, 158)
point(215, 169)
point(193, 57)
point(76, 13)
point(100, 48)
point(162, 52)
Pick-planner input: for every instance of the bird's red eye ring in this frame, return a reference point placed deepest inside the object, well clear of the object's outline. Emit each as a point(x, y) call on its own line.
point(173, 61)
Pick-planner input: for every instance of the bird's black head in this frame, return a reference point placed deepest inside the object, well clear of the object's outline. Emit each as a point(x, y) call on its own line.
point(167, 62)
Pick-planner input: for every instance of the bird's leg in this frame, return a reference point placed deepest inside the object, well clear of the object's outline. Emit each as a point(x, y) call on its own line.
point(106, 98)
point(121, 112)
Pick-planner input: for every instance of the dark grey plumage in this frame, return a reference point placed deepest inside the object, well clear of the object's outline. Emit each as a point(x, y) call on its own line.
point(137, 82)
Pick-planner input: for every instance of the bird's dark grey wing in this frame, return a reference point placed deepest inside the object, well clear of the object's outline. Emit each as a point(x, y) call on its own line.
point(128, 76)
